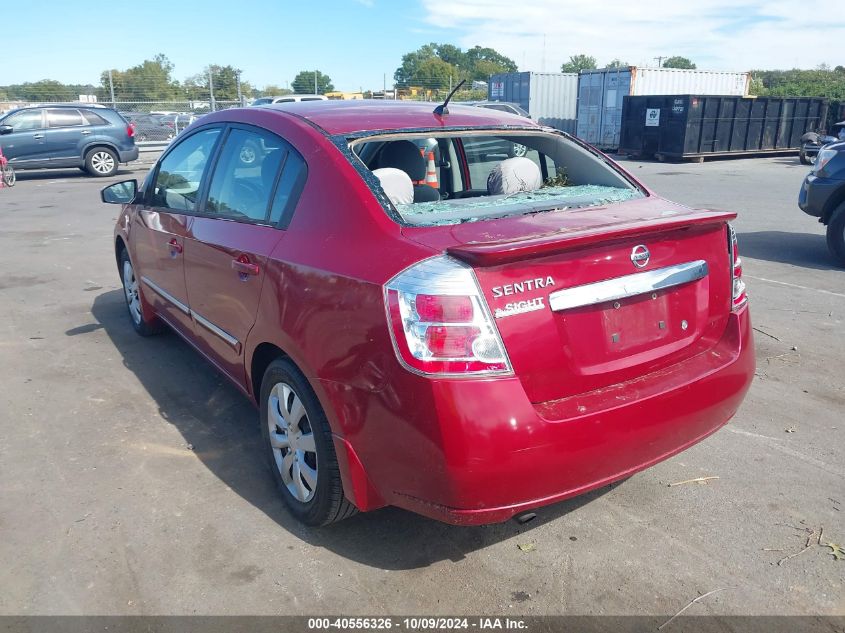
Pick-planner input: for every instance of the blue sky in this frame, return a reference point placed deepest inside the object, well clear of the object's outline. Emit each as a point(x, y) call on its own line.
point(357, 42)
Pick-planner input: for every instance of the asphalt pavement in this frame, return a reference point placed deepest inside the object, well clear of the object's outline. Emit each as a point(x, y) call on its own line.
point(131, 480)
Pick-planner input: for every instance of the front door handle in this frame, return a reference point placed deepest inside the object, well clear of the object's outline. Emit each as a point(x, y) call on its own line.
point(244, 266)
point(175, 247)
point(38, 136)
point(86, 132)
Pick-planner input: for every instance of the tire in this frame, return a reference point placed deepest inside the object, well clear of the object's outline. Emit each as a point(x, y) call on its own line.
point(101, 162)
point(302, 460)
point(836, 233)
point(143, 324)
point(9, 177)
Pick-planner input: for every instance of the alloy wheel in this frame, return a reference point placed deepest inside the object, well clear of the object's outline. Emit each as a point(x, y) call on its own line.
point(102, 162)
point(292, 441)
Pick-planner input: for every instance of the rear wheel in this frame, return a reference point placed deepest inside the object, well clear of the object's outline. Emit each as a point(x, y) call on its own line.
point(299, 447)
point(101, 162)
point(803, 158)
point(836, 233)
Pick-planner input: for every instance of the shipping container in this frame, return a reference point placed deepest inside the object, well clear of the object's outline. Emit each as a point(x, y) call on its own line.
point(600, 94)
point(550, 98)
point(677, 127)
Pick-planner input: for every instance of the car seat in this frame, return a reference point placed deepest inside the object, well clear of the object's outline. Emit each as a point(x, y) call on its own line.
point(406, 156)
point(397, 185)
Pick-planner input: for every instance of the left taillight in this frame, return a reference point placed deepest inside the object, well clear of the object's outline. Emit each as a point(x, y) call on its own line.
point(739, 296)
point(439, 322)
point(130, 130)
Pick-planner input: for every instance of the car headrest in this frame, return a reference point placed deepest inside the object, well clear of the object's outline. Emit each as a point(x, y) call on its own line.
point(514, 175)
point(403, 155)
point(397, 185)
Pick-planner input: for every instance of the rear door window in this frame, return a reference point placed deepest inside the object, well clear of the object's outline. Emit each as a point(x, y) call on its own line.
point(245, 176)
point(92, 118)
point(180, 172)
point(64, 118)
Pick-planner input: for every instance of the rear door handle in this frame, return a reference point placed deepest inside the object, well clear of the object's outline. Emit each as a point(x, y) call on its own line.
point(244, 266)
point(86, 132)
point(175, 247)
point(38, 136)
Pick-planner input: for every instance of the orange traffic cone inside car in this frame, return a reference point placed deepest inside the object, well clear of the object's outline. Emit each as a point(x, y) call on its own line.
point(431, 172)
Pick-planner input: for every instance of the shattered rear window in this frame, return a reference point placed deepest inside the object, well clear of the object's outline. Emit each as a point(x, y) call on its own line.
point(450, 177)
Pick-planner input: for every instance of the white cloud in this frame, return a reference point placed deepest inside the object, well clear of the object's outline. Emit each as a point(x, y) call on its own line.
point(716, 34)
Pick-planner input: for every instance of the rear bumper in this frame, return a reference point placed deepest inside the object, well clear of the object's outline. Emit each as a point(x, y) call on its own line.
point(815, 194)
point(128, 155)
point(484, 453)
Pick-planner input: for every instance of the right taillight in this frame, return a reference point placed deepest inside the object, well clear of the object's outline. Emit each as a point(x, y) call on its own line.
point(439, 322)
point(739, 296)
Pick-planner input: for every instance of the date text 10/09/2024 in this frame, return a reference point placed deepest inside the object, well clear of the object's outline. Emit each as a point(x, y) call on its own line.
point(417, 623)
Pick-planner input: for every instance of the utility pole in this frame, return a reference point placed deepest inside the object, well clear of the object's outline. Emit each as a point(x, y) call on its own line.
point(316, 92)
point(238, 79)
point(111, 88)
point(660, 60)
point(211, 88)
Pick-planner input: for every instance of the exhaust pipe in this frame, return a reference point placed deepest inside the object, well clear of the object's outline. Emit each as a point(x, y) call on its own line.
point(525, 517)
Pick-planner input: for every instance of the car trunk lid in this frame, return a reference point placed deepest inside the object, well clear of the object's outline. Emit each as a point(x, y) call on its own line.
point(591, 298)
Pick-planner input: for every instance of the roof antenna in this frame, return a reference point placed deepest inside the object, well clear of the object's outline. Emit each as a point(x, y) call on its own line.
point(442, 109)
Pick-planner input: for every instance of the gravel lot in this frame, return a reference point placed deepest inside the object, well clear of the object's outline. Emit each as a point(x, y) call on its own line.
point(105, 509)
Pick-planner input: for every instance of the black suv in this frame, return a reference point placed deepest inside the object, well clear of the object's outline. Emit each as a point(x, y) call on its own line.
point(823, 195)
point(94, 139)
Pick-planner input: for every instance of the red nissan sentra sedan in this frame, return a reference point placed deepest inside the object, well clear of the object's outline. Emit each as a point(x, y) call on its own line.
point(465, 314)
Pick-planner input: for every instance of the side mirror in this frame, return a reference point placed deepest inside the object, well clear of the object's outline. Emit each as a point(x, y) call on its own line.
point(120, 192)
point(6, 129)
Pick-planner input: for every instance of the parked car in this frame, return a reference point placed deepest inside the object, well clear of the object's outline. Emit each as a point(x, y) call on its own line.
point(822, 195)
point(94, 139)
point(470, 351)
point(176, 122)
point(812, 142)
point(501, 106)
point(498, 148)
point(288, 99)
point(148, 127)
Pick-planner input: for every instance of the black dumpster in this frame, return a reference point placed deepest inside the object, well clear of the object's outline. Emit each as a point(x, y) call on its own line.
point(677, 127)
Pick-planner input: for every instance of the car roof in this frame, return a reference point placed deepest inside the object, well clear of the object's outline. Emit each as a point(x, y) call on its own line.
point(363, 115)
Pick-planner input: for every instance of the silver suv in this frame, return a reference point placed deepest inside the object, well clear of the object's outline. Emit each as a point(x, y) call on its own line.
point(95, 139)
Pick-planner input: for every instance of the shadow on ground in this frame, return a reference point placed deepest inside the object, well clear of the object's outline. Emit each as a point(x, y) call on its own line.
point(222, 427)
point(799, 249)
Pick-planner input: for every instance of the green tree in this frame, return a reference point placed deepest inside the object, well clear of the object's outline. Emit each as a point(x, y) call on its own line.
point(481, 62)
point(271, 90)
point(678, 62)
point(475, 64)
point(303, 83)
point(435, 74)
point(616, 63)
point(150, 80)
point(578, 63)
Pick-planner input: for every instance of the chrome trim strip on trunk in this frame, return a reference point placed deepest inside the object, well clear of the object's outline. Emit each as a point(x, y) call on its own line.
point(231, 340)
point(627, 286)
point(166, 295)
